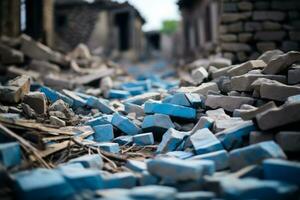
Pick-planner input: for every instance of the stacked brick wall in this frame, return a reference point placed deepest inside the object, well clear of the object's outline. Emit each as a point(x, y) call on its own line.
point(250, 27)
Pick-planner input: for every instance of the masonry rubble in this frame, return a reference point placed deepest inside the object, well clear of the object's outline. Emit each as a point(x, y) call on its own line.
point(96, 131)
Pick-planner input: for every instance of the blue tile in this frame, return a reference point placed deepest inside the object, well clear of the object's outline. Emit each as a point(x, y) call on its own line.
point(146, 85)
point(102, 120)
point(180, 154)
point(282, 170)
point(153, 192)
point(254, 154)
point(136, 166)
point(10, 154)
point(118, 94)
point(171, 140)
point(125, 125)
point(125, 139)
point(41, 184)
point(234, 137)
point(99, 104)
point(103, 133)
point(148, 179)
point(205, 141)
point(108, 147)
point(157, 123)
point(180, 99)
point(53, 96)
point(120, 180)
point(144, 139)
point(197, 195)
point(89, 161)
point(169, 109)
point(195, 100)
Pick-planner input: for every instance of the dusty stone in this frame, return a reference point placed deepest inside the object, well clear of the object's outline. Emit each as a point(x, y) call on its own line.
point(219, 62)
point(257, 137)
point(62, 107)
point(289, 141)
point(233, 17)
point(242, 56)
point(221, 72)
point(10, 56)
point(218, 114)
point(221, 125)
point(243, 82)
point(228, 38)
point(202, 89)
point(246, 67)
point(268, 15)
point(251, 114)
point(57, 122)
point(265, 46)
point(28, 111)
point(106, 84)
point(57, 82)
point(245, 5)
point(270, 35)
point(37, 101)
point(229, 103)
point(294, 75)
point(271, 26)
point(43, 67)
point(235, 47)
point(276, 117)
point(270, 55)
point(199, 75)
point(235, 27)
point(15, 90)
point(278, 91)
point(245, 37)
point(253, 26)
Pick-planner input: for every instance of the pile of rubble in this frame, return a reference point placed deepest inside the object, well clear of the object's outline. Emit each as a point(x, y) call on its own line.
point(233, 134)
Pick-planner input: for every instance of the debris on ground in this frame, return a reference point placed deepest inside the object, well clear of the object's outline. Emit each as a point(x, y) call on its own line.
point(78, 126)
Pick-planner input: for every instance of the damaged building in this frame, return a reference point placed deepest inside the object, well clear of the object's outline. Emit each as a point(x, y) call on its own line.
point(106, 27)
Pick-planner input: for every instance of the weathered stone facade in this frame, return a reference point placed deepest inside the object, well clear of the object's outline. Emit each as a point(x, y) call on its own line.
point(250, 27)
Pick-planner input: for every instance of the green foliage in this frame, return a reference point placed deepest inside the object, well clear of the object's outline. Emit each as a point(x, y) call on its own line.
point(169, 26)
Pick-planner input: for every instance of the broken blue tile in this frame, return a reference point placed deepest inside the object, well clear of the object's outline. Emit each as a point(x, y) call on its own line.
point(136, 166)
point(254, 154)
point(89, 161)
point(77, 100)
point(234, 137)
point(282, 170)
point(205, 141)
point(102, 120)
point(67, 166)
point(41, 184)
point(174, 169)
point(125, 125)
point(196, 195)
point(143, 139)
point(118, 94)
point(178, 99)
point(133, 108)
point(195, 100)
point(53, 96)
point(153, 192)
point(125, 139)
point(169, 109)
point(108, 147)
point(250, 188)
point(220, 158)
point(99, 104)
point(146, 85)
point(180, 154)
point(82, 179)
point(157, 124)
point(171, 140)
point(119, 180)
point(103, 133)
point(135, 90)
point(148, 179)
point(10, 154)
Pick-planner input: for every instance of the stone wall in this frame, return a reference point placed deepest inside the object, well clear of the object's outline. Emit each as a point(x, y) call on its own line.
point(250, 27)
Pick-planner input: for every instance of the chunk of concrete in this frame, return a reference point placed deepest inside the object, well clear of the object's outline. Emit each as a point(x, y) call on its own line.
point(270, 55)
point(246, 67)
point(258, 136)
point(223, 124)
point(251, 113)
point(103, 133)
point(108, 147)
point(169, 109)
point(136, 166)
point(205, 141)
point(141, 99)
point(119, 180)
point(56, 121)
point(286, 114)
point(288, 140)
point(201, 89)
point(37, 101)
point(125, 125)
point(228, 103)
point(199, 75)
point(254, 154)
point(143, 139)
point(282, 62)
point(218, 114)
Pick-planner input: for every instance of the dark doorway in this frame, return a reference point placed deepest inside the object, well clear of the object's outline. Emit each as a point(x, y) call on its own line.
point(154, 40)
point(122, 22)
point(34, 19)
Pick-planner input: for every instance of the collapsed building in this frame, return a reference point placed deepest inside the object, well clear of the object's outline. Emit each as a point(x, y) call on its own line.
point(104, 26)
